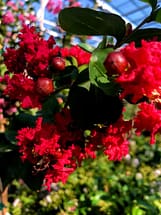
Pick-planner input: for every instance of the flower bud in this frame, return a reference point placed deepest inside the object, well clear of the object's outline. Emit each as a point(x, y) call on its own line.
point(116, 63)
point(44, 86)
point(58, 63)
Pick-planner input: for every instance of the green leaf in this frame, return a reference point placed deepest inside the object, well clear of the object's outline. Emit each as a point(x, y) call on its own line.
point(147, 206)
point(137, 211)
point(7, 141)
point(14, 168)
point(85, 21)
point(49, 108)
point(86, 47)
point(23, 120)
point(83, 76)
point(71, 61)
point(153, 3)
point(66, 77)
point(1, 206)
point(146, 34)
point(11, 136)
point(6, 148)
point(97, 72)
point(103, 43)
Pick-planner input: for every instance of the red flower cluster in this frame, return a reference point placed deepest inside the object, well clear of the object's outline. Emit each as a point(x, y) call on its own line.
point(148, 119)
point(140, 82)
point(50, 151)
point(33, 54)
point(57, 149)
point(33, 59)
point(81, 56)
point(143, 76)
point(21, 88)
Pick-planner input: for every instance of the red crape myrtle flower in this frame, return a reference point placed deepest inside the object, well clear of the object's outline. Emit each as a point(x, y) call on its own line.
point(148, 118)
point(113, 139)
point(31, 60)
point(52, 147)
point(32, 55)
point(143, 77)
point(116, 141)
point(22, 88)
point(26, 63)
point(82, 56)
point(59, 148)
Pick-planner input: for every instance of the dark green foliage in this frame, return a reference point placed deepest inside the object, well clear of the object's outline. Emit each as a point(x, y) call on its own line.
point(146, 34)
point(49, 108)
point(66, 77)
point(12, 168)
point(93, 106)
point(98, 74)
point(85, 21)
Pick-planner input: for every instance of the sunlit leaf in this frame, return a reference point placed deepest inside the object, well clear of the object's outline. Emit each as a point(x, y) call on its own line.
point(97, 72)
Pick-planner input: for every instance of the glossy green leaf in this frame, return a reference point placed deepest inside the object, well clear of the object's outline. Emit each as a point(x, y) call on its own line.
point(103, 43)
point(153, 3)
point(146, 34)
point(85, 21)
point(97, 72)
point(86, 47)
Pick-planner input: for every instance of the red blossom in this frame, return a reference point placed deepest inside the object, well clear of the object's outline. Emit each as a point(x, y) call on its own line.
point(148, 118)
point(82, 56)
point(36, 51)
point(21, 88)
point(8, 18)
point(25, 139)
point(15, 60)
point(33, 54)
point(26, 63)
point(114, 140)
point(144, 73)
point(43, 147)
